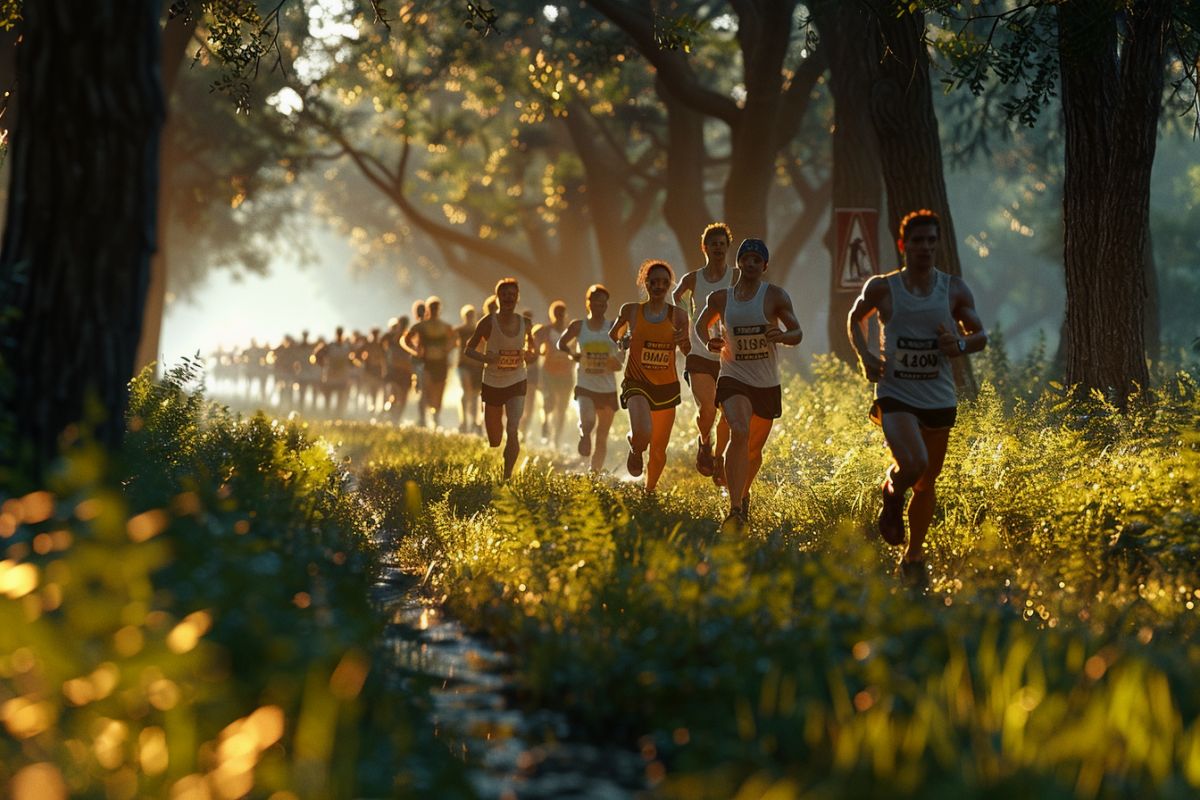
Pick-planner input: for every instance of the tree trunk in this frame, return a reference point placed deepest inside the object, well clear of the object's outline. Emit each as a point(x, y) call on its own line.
point(177, 33)
point(603, 197)
point(906, 127)
point(764, 31)
point(1110, 108)
point(685, 207)
point(857, 179)
point(80, 224)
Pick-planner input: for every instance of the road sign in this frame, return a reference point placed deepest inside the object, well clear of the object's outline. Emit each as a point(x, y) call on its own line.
point(857, 246)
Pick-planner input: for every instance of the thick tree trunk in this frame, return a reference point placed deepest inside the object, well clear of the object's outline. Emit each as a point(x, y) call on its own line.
point(603, 198)
point(177, 34)
point(1111, 109)
point(81, 218)
point(685, 207)
point(764, 29)
point(857, 178)
point(906, 125)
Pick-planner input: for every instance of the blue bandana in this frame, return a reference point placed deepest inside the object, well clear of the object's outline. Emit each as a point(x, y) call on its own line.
point(754, 246)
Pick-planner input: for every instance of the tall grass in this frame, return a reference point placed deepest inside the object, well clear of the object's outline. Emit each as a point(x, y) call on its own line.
point(1055, 654)
point(192, 619)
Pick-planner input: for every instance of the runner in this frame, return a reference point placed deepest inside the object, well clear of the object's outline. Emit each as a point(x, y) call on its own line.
point(650, 390)
point(399, 368)
point(533, 380)
point(429, 340)
point(748, 386)
point(926, 317)
point(334, 358)
point(509, 350)
point(470, 374)
point(702, 366)
point(557, 374)
point(595, 378)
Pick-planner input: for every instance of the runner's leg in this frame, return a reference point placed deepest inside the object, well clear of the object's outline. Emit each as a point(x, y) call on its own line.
point(920, 508)
point(661, 422)
point(760, 429)
point(514, 409)
point(738, 413)
point(604, 420)
point(493, 423)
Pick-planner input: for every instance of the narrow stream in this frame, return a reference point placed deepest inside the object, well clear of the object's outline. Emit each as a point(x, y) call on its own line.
point(511, 754)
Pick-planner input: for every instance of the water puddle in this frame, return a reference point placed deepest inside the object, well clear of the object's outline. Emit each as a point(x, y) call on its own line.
point(511, 754)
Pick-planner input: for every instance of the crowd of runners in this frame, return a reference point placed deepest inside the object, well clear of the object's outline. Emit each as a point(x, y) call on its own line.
point(726, 320)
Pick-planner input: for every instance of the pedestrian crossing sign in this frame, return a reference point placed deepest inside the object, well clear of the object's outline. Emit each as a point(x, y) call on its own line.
point(857, 246)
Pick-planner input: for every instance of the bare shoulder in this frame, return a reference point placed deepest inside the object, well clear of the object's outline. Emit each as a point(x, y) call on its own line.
point(959, 288)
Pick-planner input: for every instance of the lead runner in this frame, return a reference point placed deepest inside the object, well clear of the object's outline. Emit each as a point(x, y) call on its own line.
point(927, 317)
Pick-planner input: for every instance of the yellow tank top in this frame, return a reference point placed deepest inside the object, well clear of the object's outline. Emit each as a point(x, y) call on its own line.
point(652, 349)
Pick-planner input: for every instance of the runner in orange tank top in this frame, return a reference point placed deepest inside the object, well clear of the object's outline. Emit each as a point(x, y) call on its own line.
point(650, 390)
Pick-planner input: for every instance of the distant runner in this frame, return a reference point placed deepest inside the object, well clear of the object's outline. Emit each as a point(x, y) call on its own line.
point(509, 350)
point(430, 340)
point(595, 379)
point(470, 373)
point(927, 317)
point(748, 389)
point(558, 374)
point(651, 387)
point(702, 366)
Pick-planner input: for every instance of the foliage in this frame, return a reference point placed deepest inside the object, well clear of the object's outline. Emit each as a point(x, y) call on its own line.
point(1054, 655)
point(203, 626)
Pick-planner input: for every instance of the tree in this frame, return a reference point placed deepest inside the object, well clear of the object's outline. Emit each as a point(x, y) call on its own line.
point(1111, 65)
point(80, 222)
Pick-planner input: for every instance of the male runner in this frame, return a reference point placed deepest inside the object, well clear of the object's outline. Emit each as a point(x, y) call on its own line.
point(430, 340)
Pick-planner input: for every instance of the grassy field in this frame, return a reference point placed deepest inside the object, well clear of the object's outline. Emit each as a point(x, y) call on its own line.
point(1054, 655)
point(191, 618)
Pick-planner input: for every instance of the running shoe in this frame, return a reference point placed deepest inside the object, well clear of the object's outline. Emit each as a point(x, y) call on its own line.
point(634, 462)
point(704, 457)
point(735, 522)
point(585, 445)
point(718, 473)
point(913, 574)
point(891, 516)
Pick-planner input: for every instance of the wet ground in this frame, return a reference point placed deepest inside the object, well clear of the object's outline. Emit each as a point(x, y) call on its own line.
point(511, 754)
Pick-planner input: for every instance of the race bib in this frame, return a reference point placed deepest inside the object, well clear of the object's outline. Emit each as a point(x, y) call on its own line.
point(750, 343)
point(510, 359)
point(657, 355)
point(595, 358)
point(917, 359)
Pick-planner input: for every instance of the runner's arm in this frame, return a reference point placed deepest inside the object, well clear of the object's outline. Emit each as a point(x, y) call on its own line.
point(970, 336)
point(621, 323)
point(408, 342)
point(483, 329)
point(532, 345)
point(568, 336)
point(686, 284)
point(680, 320)
point(864, 306)
point(785, 316)
point(714, 307)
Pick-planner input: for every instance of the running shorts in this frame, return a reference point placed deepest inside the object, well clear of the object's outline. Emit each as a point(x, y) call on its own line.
point(765, 401)
point(498, 396)
point(930, 418)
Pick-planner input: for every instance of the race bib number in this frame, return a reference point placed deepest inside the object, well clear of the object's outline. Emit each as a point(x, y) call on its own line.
point(510, 359)
point(595, 359)
point(750, 343)
point(917, 359)
point(657, 355)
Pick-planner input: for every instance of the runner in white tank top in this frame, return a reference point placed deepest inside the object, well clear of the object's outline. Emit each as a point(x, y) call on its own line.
point(598, 359)
point(927, 318)
point(748, 391)
point(701, 366)
point(509, 351)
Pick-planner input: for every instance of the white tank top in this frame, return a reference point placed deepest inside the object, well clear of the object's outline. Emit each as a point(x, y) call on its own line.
point(595, 348)
point(747, 355)
point(510, 367)
point(914, 370)
point(699, 299)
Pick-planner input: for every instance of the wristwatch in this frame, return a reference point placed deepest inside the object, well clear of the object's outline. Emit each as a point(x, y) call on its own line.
point(962, 345)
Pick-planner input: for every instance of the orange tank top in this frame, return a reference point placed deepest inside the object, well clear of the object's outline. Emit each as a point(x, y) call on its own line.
point(652, 349)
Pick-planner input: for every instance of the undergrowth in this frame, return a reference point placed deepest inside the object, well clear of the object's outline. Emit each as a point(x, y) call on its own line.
point(191, 618)
point(1054, 655)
